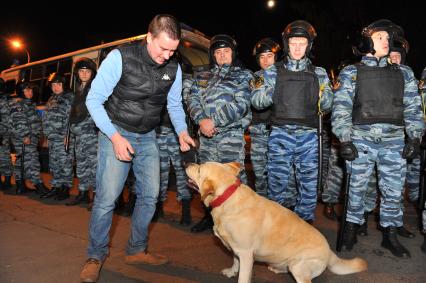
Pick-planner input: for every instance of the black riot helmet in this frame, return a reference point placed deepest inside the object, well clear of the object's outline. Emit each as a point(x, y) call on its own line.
point(299, 28)
point(365, 44)
point(399, 43)
point(57, 78)
point(32, 86)
point(84, 63)
point(266, 45)
point(222, 41)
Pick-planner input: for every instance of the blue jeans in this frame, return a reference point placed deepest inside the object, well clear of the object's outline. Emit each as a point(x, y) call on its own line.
point(110, 177)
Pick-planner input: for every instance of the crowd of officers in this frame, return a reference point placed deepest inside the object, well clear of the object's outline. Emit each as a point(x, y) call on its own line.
point(305, 130)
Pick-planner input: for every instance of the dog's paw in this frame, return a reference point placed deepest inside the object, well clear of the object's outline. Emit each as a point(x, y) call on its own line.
point(276, 270)
point(229, 272)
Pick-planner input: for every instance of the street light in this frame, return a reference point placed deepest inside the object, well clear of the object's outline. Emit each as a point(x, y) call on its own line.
point(17, 44)
point(270, 4)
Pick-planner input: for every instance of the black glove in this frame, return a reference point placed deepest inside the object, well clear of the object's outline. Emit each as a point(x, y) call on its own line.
point(411, 149)
point(348, 151)
point(423, 142)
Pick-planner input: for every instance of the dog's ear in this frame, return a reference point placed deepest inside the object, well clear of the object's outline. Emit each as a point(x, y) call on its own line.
point(207, 188)
point(234, 166)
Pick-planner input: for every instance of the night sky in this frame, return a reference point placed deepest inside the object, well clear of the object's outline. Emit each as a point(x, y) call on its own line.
point(55, 29)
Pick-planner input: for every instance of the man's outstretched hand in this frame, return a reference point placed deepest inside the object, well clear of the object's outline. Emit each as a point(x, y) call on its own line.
point(185, 141)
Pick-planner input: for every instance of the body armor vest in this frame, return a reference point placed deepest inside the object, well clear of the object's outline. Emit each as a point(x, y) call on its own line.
point(295, 98)
point(379, 96)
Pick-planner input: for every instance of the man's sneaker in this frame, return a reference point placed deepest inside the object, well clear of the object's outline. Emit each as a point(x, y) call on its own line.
point(146, 258)
point(91, 269)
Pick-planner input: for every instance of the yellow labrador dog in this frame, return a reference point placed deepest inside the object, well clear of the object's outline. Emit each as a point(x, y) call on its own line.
point(255, 228)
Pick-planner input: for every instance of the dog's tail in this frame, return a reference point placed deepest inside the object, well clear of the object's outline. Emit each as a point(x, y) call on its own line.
point(345, 266)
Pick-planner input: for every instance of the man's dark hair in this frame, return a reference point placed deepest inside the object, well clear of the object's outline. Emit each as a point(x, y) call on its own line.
point(165, 23)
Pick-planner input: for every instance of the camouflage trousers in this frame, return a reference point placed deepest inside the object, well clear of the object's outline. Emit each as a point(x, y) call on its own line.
point(168, 143)
point(301, 150)
point(333, 183)
point(424, 218)
point(391, 170)
point(60, 163)
point(85, 142)
point(226, 146)
point(5, 160)
point(413, 179)
point(31, 162)
point(290, 198)
point(259, 156)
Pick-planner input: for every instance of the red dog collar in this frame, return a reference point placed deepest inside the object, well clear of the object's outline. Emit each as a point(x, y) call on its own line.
point(226, 194)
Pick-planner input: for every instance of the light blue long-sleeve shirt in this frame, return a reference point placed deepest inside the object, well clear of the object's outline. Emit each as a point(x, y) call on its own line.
point(108, 76)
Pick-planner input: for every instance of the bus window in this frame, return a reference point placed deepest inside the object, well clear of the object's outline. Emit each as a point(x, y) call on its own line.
point(194, 55)
point(36, 73)
point(65, 66)
point(46, 92)
point(51, 68)
point(10, 86)
point(24, 75)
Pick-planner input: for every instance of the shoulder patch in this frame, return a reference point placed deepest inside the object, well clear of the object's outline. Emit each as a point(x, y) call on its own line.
point(257, 82)
point(421, 84)
point(337, 85)
point(202, 83)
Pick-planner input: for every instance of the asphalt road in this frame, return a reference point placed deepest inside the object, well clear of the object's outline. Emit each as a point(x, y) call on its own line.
point(45, 241)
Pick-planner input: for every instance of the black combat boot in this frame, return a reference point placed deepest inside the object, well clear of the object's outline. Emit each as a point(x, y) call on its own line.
point(64, 193)
point(349, 235)
point(329, 211)
point(423, 247)
point(403, 232)
point(7, 184)
point(363, 229)
point(390, 242)
point(20, 187)
point(53, 192)
point(186, 218)
point(205, 223)
point(129, 206)
point(159, 211)
point(41, 189)
point(82, 197)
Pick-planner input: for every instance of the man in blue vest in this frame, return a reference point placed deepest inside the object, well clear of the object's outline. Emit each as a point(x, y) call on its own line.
point(125, 101)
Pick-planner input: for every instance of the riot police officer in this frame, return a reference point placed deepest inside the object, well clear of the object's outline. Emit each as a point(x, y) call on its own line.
point(26, 131)
point(168, 144)
point(83, 131)
point(5, 160)
point(219, 102)
point(422, 206)
point(55, 120)
point(295, 88)
point(266, 53)
point(374, 104)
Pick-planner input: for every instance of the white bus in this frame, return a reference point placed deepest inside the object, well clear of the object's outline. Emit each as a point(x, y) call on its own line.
point(192, 51)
